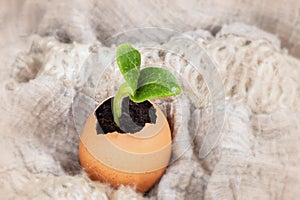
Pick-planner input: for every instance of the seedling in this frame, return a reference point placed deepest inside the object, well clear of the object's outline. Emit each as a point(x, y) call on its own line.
point(141, 85)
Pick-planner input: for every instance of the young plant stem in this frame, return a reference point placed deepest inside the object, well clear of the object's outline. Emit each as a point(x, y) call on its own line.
point(123, 91)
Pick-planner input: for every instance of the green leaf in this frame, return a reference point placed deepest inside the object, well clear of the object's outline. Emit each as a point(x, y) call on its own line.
point(129, 61)
point(155, 82)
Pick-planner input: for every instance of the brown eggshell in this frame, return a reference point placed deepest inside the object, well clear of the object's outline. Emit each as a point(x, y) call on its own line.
point(138, 160)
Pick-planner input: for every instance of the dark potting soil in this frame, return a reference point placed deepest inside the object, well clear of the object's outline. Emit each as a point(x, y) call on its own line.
point(133, 119)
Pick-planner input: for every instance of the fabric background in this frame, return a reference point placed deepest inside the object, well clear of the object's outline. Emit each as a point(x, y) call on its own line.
point(45, 44)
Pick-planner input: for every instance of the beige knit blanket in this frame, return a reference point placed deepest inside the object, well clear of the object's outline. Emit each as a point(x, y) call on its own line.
point(244, 144)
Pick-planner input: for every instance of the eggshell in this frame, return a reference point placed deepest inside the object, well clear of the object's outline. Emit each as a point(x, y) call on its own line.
point(138, 159)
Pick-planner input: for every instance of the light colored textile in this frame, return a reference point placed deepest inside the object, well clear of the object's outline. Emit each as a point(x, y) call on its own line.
point(46, 93)
point(259, 150)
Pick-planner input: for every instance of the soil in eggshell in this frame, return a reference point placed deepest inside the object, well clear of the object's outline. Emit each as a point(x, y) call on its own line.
point(133, 119)
point(145, 159)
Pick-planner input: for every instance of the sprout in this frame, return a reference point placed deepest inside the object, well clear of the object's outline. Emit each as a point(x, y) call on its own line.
point(141, 85)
